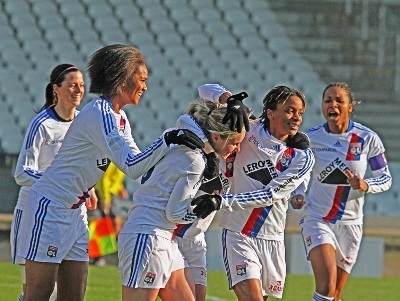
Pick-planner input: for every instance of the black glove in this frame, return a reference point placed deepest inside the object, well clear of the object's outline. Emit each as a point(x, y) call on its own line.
point(237, 112)
point(205, 204)
point(212, 169)
point(183, 137)
point(299, 140)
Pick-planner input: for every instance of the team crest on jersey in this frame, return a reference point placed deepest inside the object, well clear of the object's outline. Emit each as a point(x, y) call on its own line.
point(241, 269)
point(149, 278)
point(355, 148)
point(286, 159)
point(121, 126)
point(52, 251)
point(308, 241)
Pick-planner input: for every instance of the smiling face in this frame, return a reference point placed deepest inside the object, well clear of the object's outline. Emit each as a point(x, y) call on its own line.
point(71, 91)
point(287, 118)
point(226, 146)
point(136, 87)
point(337, 108)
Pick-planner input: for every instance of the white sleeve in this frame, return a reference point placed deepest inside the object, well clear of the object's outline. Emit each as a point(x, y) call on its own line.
point(279, 188)
point(178, 208)
point(26, 171)
point(211, 92)
point(102, 131)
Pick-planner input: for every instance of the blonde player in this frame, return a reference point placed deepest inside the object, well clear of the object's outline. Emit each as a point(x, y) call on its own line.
point(148, 256)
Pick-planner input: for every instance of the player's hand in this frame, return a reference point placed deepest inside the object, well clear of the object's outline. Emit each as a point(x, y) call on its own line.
point(183, 137)
point(212, 169)
point(237, 112)
point(299, 140)
point(297, 201)
point(205, 204)
point(356, 182)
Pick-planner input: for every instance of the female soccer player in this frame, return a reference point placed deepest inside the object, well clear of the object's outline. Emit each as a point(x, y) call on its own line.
point(43, 139)
point(333, 217)
point(148, 255)
point(272, 162)
point(56, 234)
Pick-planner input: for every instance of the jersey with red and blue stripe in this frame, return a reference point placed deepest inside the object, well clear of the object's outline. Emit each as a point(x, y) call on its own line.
point(264, 169)
point(330, 197)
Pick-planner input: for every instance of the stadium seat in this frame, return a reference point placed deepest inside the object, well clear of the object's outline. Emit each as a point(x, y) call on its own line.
point(224, 41)
point(208, 15)
point(162, 26)
point(188, 28)
point(182, 14)
point(196, 40)
point(169, 39)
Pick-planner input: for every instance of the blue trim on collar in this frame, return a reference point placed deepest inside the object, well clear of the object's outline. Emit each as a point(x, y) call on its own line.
point(351, 125)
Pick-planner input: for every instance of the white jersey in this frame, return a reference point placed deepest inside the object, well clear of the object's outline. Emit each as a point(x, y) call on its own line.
point(163, 199)
point(270, 171)
point(195, 231)
point(263, 175)
point(96, 137)
point(43, 139)
point(330, 197)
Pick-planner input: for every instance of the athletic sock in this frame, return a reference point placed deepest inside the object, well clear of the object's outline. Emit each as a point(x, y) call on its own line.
point(21, 297)
point(318, 297)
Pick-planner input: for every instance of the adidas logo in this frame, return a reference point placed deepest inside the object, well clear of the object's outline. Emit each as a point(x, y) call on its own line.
point(337, 144)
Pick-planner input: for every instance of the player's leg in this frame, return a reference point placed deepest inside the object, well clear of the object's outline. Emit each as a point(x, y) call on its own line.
point(243, 266)
point(201, 292)
point(145, 265)
point(323, 262)
point(248, 290)
point(341, 281)
point(40, 279)
point(181, 289)
point(72, 278)
point(348, 244)
point(138, 294)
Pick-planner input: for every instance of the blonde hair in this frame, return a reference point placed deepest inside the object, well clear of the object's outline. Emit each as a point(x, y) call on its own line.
point(209, 115)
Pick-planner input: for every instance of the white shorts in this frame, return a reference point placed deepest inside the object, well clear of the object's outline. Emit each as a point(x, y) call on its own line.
point(52, 232)
point(194, 253)
point(346, 239)
point(146, 260)
point(15, 236)
point(250, 257)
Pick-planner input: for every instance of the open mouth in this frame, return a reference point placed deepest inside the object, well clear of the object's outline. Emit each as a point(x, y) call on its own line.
point(333, 114)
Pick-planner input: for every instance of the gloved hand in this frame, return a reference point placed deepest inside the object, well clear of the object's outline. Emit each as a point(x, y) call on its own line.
point(299, 140)
point(205, 204)
point(183, 137)
point(237, 112)
point(212, 169)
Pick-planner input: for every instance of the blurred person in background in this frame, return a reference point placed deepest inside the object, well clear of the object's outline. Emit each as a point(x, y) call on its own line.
point(56, 232)
point(332, 225)
point(113, 199)
point(43, 139)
